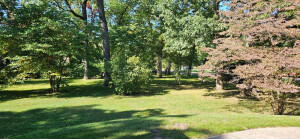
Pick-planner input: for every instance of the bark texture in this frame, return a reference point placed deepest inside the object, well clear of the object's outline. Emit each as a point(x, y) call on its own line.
point(106, 45)
point(219, 82)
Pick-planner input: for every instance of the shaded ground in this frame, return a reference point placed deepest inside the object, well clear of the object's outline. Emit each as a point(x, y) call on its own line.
point(94, 88)
point(263, 133)
point(80, 122)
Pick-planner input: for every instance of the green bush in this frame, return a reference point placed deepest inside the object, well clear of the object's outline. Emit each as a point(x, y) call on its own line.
point(129, 75)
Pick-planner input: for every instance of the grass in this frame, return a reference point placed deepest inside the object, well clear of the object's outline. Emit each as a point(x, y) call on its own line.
point(86, 109)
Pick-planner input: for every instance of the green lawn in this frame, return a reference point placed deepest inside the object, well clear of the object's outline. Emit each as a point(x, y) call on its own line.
point(85, 109)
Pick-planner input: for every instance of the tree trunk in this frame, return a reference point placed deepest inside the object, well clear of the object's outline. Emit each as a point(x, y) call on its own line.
point(159, 66)
point(278, 102)
point(83, 17)
point(219, 82)
point(177, 74)
point(189, 71)
point(216, 6)
point(106, 47)
point(168, 68)
point(159, 57)
point(86, 65)
point(85, 60)
point(192, 58)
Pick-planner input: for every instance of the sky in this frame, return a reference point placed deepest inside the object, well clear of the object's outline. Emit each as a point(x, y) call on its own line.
point(223, 5)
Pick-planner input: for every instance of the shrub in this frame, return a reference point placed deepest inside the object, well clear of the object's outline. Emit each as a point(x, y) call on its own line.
point(129, 75)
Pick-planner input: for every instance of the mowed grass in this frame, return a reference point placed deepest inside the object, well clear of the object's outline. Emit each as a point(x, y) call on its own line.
point(85, 109)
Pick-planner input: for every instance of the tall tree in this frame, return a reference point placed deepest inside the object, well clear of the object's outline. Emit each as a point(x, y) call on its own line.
point(83, 15)
point(187, 24)
point(106, 45)
point(149, 13)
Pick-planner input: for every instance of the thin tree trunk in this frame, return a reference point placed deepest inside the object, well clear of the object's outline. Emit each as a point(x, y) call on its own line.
point(189, 72)
point(159, 66)
point(168, 68)
point(191, 60)
point(83, 17)
point(106, 47)
point(86, 64)
point(85, 59)
point(177, 74)
point(216, 7)
point(219, 82)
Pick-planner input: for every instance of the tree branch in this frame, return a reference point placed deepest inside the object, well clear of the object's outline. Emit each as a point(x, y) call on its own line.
point(84, 11)
point(72, 11)
point(122, 14)
point(59, 6)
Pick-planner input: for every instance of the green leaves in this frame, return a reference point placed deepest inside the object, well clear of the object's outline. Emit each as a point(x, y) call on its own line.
point(130, 75)
point(186, 27)
point(39, 39)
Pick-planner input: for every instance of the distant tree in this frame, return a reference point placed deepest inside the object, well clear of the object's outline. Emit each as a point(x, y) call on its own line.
point(132, 39)
point(187, 25)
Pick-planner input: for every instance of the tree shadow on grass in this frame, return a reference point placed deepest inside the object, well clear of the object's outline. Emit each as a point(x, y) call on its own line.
point(6, 95)
point(94, 89)
point(261, 107)
point(255, 106)
point(229, 90)
point(19, 94)
point(252, 104)
point(87, 122)
point(224, 94)
point(163, 86)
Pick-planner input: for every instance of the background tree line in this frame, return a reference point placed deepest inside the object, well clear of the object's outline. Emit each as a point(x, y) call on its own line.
point(122, 41)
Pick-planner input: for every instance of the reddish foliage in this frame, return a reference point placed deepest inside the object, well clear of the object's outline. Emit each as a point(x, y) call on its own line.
point(261, 47)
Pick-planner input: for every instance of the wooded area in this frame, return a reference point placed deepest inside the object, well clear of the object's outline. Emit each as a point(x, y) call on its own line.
point(255, 43)
point(253, 46)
